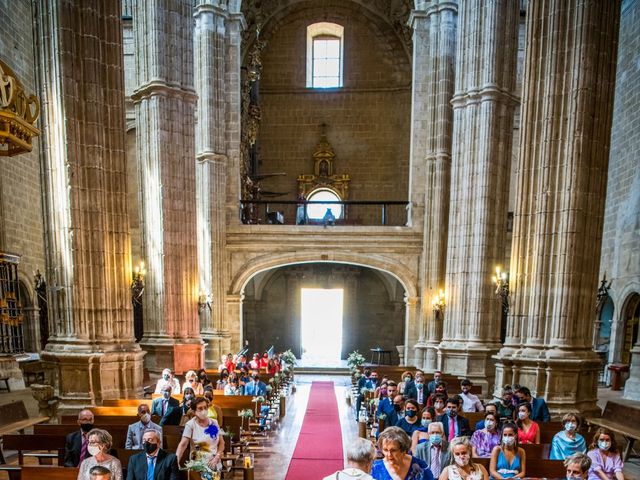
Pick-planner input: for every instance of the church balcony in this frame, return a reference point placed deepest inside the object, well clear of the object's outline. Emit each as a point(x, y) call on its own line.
point(324, 213)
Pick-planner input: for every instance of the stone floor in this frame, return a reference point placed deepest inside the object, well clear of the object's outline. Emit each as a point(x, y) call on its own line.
point(272, 462)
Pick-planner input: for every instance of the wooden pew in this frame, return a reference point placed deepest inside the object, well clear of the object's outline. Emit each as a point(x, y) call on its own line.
point(32, 443)
point(32, 472)
point(623, 418)
point(537, 452)
point(14, 418)
point(535, 468)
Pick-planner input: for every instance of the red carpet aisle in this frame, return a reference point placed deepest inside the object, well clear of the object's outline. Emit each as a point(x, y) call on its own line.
point(318, 452)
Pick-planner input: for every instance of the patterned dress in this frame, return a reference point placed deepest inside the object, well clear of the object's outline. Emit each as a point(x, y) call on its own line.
point(485, 441)
point(113, 464)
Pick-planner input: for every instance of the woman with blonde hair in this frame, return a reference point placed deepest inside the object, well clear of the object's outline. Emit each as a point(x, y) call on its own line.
point(191, 378)
point(462, 465)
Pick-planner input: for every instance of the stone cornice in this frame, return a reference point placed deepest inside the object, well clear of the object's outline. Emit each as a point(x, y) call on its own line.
point(212, 157)
point(486, 93)
point(160, 87)
point(209, 8)
point(416, 15)
point(238, 17)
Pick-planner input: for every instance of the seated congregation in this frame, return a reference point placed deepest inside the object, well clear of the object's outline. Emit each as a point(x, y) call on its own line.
point(441, 429)
point(204, 426)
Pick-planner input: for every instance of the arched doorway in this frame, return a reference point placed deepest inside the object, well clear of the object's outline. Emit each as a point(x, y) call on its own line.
point(373, 310)
point(631, 318)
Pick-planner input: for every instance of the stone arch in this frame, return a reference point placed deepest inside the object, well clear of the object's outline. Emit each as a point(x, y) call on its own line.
point(628, 314)
point(621, 298)
point(267, 262)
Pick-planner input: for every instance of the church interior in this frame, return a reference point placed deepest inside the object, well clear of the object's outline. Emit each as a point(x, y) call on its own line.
point(407, 189)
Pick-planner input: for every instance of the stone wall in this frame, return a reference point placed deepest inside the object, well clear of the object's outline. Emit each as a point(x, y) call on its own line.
point(21, 225)
point(374, 309)
point(368, 119)
point(620, 259)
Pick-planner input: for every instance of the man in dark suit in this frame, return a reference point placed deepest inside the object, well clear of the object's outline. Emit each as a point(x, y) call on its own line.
point(437, 378)
point(454, 425)
point(76, 444)
point(368, 381)
point(153, 462)
point(539, 409)
point(167, 408)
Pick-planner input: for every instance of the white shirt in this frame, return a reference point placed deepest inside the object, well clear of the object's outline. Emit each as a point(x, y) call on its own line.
point(173, 382)
point(349, 473)
point(471, 403)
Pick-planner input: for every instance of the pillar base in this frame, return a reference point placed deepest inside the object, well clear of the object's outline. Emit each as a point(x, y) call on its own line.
point(178, 355)
point(87, 378)
point(473, 361)
point(566, 379)
point(632, 385)
point(215, 345)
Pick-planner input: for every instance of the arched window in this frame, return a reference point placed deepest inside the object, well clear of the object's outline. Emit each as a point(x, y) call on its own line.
point(317, 211)
point(324, 55)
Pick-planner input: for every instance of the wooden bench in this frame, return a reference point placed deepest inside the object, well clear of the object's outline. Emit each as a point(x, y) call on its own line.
point(32, 472)
point(36, 443)
point(537, 451)
point(621, 417)
point(535, 468)
point(14, 418)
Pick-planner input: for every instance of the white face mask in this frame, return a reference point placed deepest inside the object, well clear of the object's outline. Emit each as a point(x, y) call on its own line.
point(146, 418)
point(489, 424)
point(93, 450)
point(462, 460)
point(201, 414)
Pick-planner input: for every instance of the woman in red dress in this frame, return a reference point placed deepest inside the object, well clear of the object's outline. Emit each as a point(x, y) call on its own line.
point(528, 430)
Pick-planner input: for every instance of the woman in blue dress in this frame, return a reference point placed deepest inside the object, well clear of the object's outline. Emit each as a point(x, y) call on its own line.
point(508, 460)
point(568, 441)
point(410, 422)
point(397, 461)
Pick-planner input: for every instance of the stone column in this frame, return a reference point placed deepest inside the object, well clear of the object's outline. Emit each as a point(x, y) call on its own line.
point(434, 35)
point(562, 170)
point(209, 73)
point(164, 100)
point(91, 349)
point(412, 314)
point(484, 107)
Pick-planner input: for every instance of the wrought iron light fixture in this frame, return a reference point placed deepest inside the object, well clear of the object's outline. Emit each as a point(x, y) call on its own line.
point(204, 301)
point(501, 281)
point(137, 283)
point(439, 303)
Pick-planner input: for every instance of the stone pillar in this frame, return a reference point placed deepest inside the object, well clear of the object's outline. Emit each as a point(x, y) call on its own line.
point(91, 349)
point(562, 170)
point(632, 385)
point(434, 36)
point(164, 100)
point(412, 315)
point(483, 106)
point(209, 74)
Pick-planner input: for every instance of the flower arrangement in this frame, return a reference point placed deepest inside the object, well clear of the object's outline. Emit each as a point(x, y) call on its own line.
point(269, 389)
point(246, 413)
point(289, 358)
point(200, 465)
point(258, 399)
point(355, 360)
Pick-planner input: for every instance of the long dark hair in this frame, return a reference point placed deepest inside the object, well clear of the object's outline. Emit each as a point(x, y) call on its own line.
point(513, 427)
point(528, 407)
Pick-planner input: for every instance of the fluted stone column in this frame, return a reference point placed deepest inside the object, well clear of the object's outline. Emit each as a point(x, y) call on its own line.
point(164, 101)
point(434, 35)
point(91, 349)
point(484, 106)
point(211, 171)
point(562, 170)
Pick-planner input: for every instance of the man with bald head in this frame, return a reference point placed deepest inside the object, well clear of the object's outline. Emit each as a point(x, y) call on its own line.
point(153, 462)
point(75, 448)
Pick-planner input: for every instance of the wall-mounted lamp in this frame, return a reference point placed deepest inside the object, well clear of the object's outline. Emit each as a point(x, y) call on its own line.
point(501, 281)
point(439, 303)
point(204, 301)
point(137, 283)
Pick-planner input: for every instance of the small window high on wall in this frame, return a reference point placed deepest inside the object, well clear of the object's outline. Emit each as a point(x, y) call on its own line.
point(324, 55)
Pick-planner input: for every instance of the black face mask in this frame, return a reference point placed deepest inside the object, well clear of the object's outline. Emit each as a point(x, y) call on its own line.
point(397, 407)
point(149, 447)
point(255, 377)
point(86, 427)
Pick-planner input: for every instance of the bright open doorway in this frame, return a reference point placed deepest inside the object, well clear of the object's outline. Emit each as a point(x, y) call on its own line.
point(321, 325)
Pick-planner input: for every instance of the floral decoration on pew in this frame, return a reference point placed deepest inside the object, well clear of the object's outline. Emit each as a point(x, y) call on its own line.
point(200, 466)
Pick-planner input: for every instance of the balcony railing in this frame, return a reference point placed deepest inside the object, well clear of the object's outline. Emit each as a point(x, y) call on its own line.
point(295, 212)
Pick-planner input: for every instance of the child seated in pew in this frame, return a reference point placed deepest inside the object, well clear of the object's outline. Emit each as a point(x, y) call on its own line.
point(568, 441)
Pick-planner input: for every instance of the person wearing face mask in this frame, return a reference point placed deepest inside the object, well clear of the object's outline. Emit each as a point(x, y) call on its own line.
point(488, 408)
point(508, 459)
point(505, 406)
point(485, 440)
point(366, 383)
point(255, 387)
point(187, 400)
point(214, 411)
point(136, 430)
point(437, 378)
point(154, 461)
point(528, 430)
point(539, 408)
point(441, 390)
point(470, 402)
point(381, 391)
point(203, 435)
point(223, 380)
point(462, 465)
point(606, 463)
point(167, 379)
point(419, 391)
point(167, 408)
point(75, 448)
point(406, 383)
point(568, 441)
point(435, 451)
point(439, 401)
point(397, 461)
point(421, 435)
point(192, 382)
point(577, 466)
point(410, 422)
point(454, 424)
point(100, 442)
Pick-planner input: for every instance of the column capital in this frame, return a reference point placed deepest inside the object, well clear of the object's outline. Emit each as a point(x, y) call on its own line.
point(207, 7)
point(427, 11)
point(212, 157)
point(486, 92)
point(160, 87)
point(239, 18)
